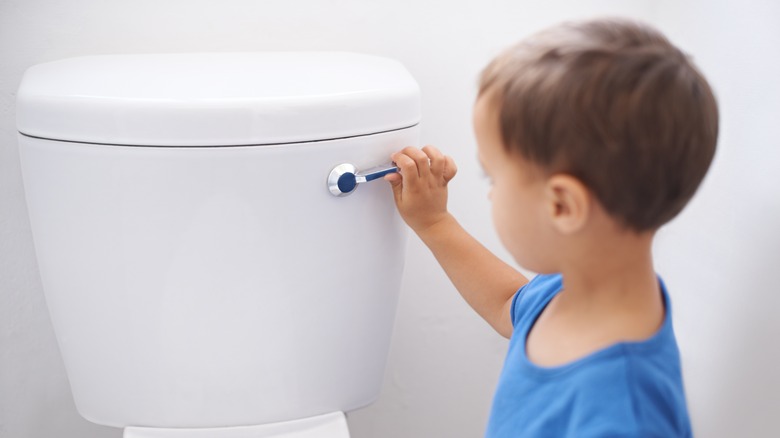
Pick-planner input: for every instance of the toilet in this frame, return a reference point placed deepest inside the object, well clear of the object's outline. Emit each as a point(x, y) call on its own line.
point(204, 275)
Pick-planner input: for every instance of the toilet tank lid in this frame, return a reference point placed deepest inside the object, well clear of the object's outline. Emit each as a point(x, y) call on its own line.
point(216, 99)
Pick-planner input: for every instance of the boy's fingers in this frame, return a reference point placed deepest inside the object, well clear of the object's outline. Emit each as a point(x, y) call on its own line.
point(436, 158)
point(423, 167)
point(408, 168)
point(450, 168)
point(393, 178)
point(396, 183)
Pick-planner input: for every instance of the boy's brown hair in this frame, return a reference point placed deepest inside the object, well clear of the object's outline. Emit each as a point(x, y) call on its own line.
point(613, 103)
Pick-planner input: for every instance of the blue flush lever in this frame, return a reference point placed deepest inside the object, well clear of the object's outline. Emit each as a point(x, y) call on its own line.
point(344, 178)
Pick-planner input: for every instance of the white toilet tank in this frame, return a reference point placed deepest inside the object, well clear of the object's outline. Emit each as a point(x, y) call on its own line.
point(197, 269)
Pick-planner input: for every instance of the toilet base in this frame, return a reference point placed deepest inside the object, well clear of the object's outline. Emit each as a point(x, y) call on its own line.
point(332, 425)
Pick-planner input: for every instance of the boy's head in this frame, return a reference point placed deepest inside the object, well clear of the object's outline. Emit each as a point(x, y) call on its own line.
point(611, 105)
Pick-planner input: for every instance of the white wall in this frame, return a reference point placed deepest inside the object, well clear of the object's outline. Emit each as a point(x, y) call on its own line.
point(717, 257)
point(721, 254)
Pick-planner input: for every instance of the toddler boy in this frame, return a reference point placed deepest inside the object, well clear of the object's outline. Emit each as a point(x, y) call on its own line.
point(593, 134)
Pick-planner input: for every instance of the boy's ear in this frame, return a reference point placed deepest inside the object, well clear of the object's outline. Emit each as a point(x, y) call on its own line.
point(568, 202)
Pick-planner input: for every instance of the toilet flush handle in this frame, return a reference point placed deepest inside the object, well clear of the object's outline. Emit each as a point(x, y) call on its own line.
point(344, 178)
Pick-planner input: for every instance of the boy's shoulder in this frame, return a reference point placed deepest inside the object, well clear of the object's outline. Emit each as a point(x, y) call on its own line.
point(636, 360)
point(534, 295)
point(626, 389)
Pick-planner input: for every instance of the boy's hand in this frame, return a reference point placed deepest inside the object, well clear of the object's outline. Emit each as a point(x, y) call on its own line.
point(420, 187)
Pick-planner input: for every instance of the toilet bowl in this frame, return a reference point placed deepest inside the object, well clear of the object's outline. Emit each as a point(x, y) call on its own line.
point(201, 276)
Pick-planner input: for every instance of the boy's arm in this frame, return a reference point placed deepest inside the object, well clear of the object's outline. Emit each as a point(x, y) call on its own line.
point(485, 282)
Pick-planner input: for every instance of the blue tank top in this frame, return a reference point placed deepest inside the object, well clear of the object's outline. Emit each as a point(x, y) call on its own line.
point(629, 389)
